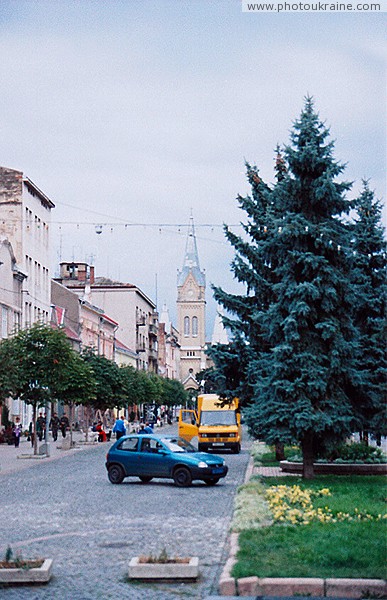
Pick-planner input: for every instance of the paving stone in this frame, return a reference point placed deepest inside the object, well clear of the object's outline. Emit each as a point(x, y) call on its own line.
point(289, 586)
point(248, 586)
point(63, 507)
point(356, 588)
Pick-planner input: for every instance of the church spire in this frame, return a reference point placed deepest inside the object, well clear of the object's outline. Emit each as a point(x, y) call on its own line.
point(191, 258)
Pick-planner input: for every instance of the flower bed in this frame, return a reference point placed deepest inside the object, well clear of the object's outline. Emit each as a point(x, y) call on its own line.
point(31, 571)
point(186, 569)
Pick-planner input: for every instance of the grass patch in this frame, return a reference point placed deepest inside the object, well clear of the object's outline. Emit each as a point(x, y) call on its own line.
point(341, 549)
point(251, 510)
point(265, 455)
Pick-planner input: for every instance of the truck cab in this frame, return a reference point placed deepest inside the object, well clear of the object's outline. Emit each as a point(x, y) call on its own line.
point(216, 423)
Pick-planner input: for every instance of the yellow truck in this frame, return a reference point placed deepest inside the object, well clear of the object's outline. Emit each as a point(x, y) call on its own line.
point(217, 425)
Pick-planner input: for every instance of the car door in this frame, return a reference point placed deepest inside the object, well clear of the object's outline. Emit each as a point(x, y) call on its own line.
point(153, 458)
point(187, 424)
point(129, 455)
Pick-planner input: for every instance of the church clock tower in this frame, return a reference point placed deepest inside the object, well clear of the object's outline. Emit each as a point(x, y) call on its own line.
point(191, 313)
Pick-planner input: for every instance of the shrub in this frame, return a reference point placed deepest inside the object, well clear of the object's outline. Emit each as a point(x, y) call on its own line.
point(355, 452)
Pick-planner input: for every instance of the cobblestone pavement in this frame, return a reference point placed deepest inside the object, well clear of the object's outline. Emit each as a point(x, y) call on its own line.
point(67, 510)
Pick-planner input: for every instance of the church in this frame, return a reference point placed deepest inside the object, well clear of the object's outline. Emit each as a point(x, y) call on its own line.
point(191, 315)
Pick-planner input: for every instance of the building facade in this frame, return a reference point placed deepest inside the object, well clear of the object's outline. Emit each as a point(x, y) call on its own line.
point(11, 278)
point(169, 347)
point(134, 312)
point(25, 214)
point(191, 313)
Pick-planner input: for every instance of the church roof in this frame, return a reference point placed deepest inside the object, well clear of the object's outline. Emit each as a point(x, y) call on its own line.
point(191, 259)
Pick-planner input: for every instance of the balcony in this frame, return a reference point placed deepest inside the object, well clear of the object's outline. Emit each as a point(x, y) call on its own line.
point(153, 330)
point(153, 354)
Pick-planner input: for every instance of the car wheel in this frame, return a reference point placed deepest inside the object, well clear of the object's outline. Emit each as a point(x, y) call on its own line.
point(145, 478)
point(116, 474)
point(201, 448)
point(212, 481)
point(236, 449)
point(182, 477)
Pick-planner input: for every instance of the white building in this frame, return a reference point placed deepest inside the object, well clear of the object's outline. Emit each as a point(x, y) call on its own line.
point(11, 278)
point(25, 290)
point(25, 213)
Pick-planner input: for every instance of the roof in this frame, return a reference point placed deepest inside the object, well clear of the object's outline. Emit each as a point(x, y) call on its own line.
point(191, 259)
point(70, 333)
point(35, 190)
point(120, 346)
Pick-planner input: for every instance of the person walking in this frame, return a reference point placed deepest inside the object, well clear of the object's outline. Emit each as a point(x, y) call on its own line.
point(64, 424)
point(119, 428)
point(40, 426)
point(16, 430)
point(55, 425)
point(31, 434)
point(145, 429)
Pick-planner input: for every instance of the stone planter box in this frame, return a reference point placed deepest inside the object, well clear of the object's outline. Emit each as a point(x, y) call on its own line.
point(337, 468)
point(36, 575)
point(168, 571)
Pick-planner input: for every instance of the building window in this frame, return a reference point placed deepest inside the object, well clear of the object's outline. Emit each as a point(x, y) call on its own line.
point(194, 326)
point(186, 326)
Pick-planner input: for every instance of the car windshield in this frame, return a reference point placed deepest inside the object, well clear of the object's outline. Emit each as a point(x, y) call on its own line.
point(218, 417)
point(177, 444)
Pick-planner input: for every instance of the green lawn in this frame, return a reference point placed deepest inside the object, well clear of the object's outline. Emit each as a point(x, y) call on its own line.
point(343, 549)
point(268, 459)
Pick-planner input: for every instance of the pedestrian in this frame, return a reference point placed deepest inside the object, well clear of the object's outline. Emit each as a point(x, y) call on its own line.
point(64, 425)
point(145, 428)
point(101, 433)
point(16, 430)
point(31, 433)
point(119, 428)
point(40, 426)
point(54, 424)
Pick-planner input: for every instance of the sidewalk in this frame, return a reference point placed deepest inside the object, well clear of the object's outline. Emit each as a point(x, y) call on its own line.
point(14, 459)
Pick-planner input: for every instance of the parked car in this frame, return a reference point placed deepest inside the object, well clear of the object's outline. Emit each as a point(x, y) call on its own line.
point(171, 457)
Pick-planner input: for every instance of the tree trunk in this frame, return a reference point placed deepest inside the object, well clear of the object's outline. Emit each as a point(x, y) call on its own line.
point(308, 455)
point(279, 451)
point(71, 406)
point(86, 414)
point(34, 428)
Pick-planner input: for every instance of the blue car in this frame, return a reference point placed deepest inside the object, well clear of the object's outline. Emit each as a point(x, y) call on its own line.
point(148, 456)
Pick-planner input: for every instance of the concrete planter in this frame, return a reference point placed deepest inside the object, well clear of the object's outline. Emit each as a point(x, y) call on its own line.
point(35, 575)
point(168, 571)
point(337, 468)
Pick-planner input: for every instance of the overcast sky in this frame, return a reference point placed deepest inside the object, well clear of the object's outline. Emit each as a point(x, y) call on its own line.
point(138, 111)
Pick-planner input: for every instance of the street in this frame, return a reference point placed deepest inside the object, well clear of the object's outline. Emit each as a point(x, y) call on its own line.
point(67, 510)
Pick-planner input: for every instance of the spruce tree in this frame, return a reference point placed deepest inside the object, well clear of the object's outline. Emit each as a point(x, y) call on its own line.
point(295, 317)
point(368, 275)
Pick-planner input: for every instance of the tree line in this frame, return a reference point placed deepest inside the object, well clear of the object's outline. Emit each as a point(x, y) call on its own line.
point(38, 365)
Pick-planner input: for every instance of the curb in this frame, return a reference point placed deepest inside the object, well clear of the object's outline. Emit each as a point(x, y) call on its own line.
point(287, 586)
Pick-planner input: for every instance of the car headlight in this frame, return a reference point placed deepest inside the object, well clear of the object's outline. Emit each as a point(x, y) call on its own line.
point(202, 465)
